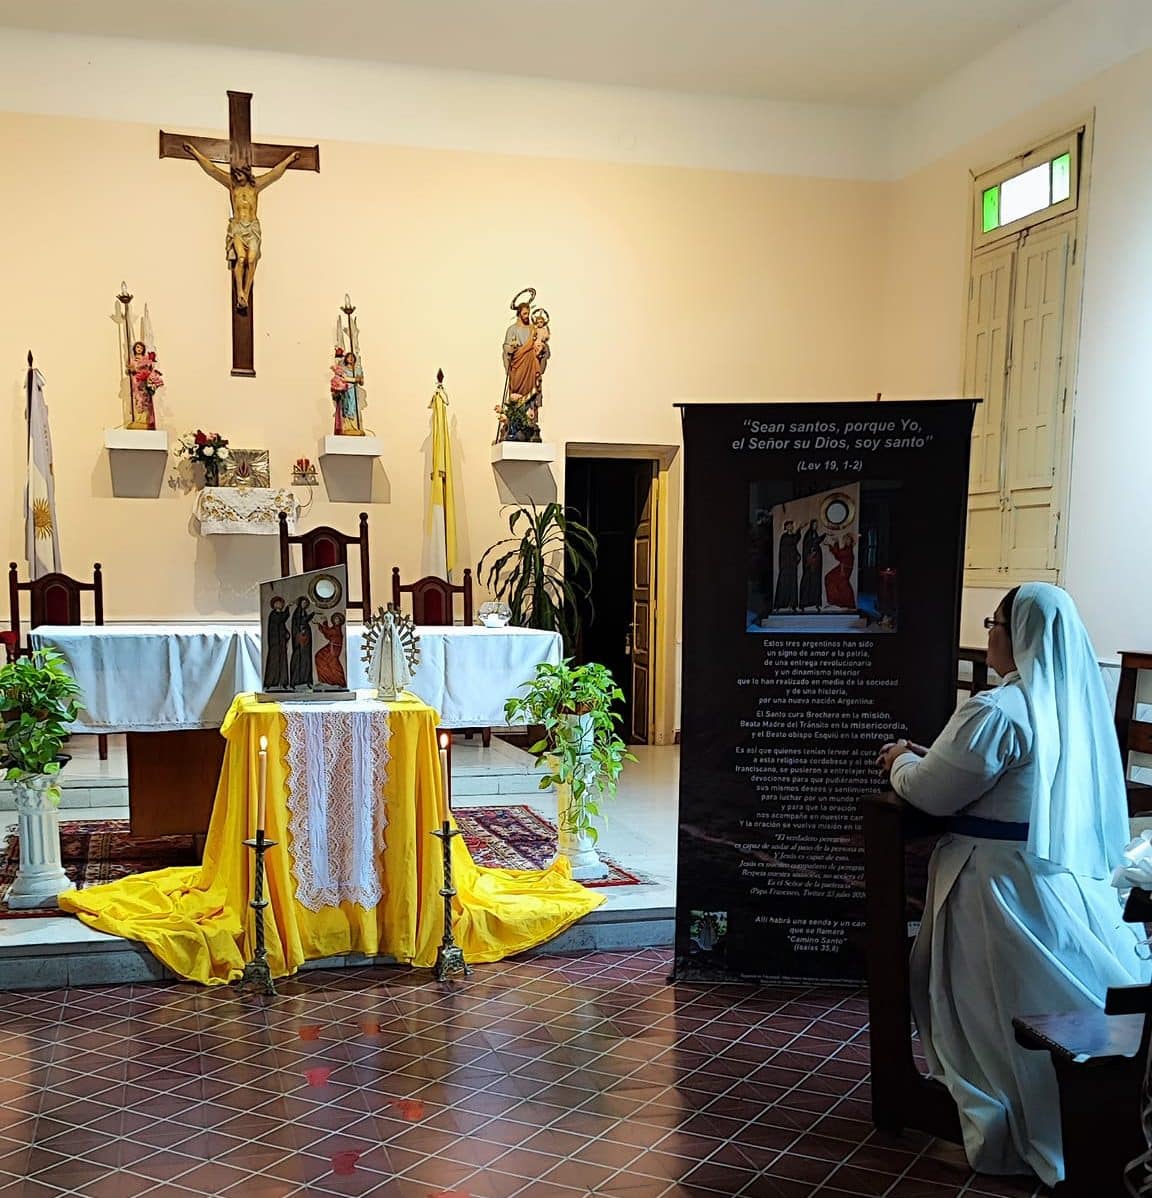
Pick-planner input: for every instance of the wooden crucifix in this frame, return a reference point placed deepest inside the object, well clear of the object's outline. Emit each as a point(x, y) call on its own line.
point(242, 242)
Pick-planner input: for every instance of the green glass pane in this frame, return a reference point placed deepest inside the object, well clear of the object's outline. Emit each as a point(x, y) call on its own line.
point(991, 208)
point(1061, 178)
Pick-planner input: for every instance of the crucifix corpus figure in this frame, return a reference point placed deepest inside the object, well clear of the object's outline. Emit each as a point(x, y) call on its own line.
point(242, 241)
point(237, 156)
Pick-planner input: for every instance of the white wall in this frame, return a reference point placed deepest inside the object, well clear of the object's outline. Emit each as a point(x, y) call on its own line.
point(313, 99)
point(1108, 568)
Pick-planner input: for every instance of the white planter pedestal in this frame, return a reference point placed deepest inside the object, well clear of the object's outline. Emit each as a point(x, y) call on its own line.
point(578, 848)
point(41, 876)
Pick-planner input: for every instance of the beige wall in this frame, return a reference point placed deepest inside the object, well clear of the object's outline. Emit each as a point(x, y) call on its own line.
point(1107, 568)
point(664, 284)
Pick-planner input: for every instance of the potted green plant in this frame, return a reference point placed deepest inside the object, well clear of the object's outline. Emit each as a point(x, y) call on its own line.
point(38, 703)
point(542, 569)
point(582, 752)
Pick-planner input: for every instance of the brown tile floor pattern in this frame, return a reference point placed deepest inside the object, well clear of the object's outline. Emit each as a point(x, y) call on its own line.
point(552, 1077)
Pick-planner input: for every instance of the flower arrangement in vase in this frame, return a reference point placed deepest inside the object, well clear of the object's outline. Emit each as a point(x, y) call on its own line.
point(209, 449)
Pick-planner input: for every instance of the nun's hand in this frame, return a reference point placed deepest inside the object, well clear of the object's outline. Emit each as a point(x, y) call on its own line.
point(890, 752)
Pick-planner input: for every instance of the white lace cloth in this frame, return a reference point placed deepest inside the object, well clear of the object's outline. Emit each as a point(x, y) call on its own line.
point(245, 510)
point(338, 758)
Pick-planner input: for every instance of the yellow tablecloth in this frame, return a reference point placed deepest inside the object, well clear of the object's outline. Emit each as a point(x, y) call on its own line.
point(197, 919)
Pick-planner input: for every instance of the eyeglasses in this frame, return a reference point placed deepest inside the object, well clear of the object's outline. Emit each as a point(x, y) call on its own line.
point(991, 622)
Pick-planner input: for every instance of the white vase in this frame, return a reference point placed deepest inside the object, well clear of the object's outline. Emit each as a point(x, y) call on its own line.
point(41, 876)
point(578, 847)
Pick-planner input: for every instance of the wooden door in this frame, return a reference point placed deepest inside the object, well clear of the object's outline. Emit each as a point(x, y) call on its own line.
point(1036, 393)
point(643, 606)
point(986, 378)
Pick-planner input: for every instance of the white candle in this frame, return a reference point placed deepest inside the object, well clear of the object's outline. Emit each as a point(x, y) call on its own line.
point(445, 783)
point(262, 791)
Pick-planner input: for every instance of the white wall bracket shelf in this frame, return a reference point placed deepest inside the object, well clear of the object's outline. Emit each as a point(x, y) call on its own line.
point(351, 447)
point(524, 451)
point(155, 440)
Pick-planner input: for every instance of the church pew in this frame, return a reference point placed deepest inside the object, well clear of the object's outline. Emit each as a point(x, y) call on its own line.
point(902, 1097)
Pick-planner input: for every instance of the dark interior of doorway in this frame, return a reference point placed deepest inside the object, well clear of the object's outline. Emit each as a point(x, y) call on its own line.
point(609, 494)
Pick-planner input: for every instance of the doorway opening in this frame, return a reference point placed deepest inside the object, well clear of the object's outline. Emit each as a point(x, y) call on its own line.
point(616, 498)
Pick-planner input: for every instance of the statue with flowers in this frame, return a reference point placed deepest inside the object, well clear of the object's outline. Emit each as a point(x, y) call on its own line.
point(347, 381)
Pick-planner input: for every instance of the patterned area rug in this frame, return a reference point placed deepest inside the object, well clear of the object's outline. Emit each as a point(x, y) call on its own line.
point(101, 851)
point(95, 852)
point(520, 838)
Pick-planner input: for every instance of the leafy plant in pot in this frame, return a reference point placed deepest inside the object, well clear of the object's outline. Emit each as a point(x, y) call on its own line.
point(543, 569)
point(580, 747)
point(38, 703)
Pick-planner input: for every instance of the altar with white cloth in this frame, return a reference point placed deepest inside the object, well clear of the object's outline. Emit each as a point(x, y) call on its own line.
point(169, 687)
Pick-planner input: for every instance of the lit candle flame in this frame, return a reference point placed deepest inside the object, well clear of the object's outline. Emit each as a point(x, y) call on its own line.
point(445, 740)
point(263, 744)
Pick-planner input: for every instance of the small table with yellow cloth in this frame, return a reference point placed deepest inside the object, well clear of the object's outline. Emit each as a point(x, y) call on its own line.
point(197, 920)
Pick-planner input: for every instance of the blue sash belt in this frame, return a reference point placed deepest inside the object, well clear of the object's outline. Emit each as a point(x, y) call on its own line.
point(987, 829)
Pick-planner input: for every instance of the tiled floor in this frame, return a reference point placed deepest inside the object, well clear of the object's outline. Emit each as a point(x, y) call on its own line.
point(549, 1078)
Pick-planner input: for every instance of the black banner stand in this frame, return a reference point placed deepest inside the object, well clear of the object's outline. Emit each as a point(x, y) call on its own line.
point(823, 558)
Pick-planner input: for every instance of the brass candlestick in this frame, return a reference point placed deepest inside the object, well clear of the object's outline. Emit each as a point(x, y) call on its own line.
point(450, 961)
point(257, 974)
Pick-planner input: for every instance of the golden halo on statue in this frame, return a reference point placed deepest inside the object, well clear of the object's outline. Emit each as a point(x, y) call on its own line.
point(519, 298)
point(541, 312)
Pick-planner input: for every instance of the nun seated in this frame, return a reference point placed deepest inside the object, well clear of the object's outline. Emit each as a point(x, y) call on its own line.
point(1020, 916)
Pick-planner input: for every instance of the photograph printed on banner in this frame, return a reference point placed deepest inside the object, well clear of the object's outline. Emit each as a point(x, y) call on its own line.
point(822, 561)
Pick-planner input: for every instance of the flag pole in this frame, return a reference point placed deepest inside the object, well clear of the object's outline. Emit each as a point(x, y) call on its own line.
point(28, 459)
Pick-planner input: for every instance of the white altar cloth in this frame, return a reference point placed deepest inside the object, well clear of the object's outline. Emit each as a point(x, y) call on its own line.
point(177, 677)
point(466, 674)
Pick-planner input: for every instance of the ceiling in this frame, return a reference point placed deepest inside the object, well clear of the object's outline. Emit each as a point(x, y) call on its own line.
point(832, 51)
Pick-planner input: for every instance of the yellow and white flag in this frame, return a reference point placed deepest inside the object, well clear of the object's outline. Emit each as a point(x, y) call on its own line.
point(42, 537)
point(440, 527)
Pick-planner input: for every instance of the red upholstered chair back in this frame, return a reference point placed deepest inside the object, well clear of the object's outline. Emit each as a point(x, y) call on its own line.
point(54, 599)
point(324, 547)
point(433, 599)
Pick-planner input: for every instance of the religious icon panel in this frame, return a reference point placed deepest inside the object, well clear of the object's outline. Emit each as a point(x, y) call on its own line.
point(303, 635)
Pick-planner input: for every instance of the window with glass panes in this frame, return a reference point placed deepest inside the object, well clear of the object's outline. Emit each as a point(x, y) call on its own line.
point(1019, 358)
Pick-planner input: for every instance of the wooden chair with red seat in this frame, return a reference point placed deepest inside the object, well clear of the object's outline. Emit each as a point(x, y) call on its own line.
point(53, 599)
point(434, 606)
point(324, 547)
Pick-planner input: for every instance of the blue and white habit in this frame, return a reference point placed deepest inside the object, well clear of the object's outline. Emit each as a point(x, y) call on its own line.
point(1021, 917)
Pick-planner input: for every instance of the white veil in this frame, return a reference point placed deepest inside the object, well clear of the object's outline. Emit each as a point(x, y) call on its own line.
point(1079, 810)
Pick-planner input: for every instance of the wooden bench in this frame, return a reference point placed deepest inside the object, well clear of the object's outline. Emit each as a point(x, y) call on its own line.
point(1099, 1057)
point(1100, 1060)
